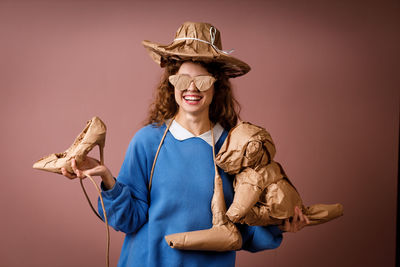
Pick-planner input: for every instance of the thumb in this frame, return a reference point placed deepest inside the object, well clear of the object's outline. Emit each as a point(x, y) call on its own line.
point(96, 171)
point(89, 172)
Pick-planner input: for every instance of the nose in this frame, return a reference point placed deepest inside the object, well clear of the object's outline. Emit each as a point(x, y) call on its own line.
point(192, 87)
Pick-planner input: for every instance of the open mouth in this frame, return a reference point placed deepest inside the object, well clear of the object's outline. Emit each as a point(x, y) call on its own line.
point(192, 99)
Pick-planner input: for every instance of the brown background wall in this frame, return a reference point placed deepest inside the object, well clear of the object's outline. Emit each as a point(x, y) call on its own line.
point(324, 82)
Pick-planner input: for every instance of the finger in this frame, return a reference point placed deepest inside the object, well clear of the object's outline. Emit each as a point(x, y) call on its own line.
point(75, 168)
point(297, 219)
point(79, 173)
point(67, 174)
point(303, 220)
point(300, 225)
point(301, 216)
point(90, 172)
point(73, 165)
point(296, 215)
point(307, 220)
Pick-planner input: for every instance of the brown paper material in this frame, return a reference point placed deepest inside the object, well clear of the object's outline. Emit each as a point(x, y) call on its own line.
point(245, 182)
point(263, 193)
point(197, 41)
point(93, 134)
point(320, 213)
point(218, 238)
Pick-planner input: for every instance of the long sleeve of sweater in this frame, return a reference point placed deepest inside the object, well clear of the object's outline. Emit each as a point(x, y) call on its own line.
point(258, 238)
point(127, 202)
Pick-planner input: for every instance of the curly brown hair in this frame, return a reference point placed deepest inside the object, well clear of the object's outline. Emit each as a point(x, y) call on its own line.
point(224, 108)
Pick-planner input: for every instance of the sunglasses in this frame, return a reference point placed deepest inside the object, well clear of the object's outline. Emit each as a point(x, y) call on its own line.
point(182, 81)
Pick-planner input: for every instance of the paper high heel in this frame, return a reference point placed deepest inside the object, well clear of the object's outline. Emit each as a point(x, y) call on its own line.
point(93, 134)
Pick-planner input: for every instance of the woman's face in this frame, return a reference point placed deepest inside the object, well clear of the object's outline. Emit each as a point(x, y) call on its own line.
point(191, 100)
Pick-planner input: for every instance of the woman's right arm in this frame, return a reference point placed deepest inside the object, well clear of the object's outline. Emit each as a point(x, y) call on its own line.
point(126, 198)
point(126, 211)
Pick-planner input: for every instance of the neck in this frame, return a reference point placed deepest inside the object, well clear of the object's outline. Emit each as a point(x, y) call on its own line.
point(197, 125)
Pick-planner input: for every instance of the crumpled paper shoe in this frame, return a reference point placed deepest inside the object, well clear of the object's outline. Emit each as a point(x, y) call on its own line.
point(93, 134)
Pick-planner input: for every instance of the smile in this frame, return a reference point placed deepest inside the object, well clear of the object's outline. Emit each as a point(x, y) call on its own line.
point(192, 98)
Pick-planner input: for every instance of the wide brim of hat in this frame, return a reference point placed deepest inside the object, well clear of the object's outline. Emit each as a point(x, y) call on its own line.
point(179, 50)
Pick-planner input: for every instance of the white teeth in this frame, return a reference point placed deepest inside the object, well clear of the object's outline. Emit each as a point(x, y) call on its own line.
point(191, 98)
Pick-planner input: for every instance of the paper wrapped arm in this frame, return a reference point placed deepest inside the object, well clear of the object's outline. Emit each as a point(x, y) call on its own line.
point(263, 193)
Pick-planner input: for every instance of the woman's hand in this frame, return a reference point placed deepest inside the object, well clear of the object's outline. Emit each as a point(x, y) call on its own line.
point(299, 221)
point(92, 167)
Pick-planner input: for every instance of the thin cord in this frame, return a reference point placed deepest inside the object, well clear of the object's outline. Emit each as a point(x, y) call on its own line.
point(102, 205)
point(213, 149)
point(158, 151)
point(87, 198)
point(105, 215)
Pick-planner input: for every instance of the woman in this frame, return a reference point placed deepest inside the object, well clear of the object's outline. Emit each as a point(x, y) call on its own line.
point(193, 106)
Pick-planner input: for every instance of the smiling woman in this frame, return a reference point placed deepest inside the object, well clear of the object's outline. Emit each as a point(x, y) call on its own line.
point(164, 187)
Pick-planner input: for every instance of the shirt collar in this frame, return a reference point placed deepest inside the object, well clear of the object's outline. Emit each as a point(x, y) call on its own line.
point(180, 133)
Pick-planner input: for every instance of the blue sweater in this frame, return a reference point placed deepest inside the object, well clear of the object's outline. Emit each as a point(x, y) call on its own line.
point(179, 201)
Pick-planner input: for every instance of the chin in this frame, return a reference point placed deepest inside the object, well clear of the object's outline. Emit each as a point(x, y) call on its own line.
point(194, 110)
